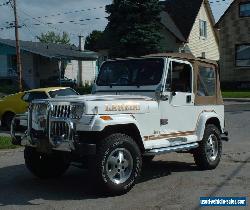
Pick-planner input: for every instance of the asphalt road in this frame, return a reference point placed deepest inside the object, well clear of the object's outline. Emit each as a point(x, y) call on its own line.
point(172, 181)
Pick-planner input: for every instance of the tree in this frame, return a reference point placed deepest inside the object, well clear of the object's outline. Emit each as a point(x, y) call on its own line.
point(134, 27)
point(52, 37)
point(93, 40)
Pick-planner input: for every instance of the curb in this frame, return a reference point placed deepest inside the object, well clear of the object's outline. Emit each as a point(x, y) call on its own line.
point(237, 99)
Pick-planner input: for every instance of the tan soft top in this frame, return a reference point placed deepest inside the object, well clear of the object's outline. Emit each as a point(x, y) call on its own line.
point(197, 63)
point(185, 56)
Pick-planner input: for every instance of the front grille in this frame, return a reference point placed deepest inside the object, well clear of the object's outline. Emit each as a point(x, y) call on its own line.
point(59, 129)
point(61, 111)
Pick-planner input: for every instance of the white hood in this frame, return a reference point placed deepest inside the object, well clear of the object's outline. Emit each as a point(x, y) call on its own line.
point(111, 104)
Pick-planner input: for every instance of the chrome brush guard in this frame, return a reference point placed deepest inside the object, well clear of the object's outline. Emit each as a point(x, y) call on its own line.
point(58, 129)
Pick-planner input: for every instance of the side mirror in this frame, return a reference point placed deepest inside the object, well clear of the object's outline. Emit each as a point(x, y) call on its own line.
point(164, 97)
point(173, 93)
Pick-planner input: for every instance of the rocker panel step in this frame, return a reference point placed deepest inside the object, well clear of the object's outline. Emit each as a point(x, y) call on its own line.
point(171, 149)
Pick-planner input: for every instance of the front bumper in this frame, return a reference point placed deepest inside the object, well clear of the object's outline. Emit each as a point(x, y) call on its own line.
point(59, 134)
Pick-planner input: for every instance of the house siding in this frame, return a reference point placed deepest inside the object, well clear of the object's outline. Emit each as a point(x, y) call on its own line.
point(233, 31)
point(88, 71)
point(168, 43)
point(3, 66)
point(44, 69)
point(198, 44)
point(28, 70)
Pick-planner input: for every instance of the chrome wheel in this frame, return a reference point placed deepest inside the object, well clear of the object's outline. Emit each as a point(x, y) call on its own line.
point(119, 165)
point(212, 147)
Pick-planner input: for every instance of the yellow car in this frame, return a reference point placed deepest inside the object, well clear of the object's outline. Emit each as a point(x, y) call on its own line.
point(18, 103)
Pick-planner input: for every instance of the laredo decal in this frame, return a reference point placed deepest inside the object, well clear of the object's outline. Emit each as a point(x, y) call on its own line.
point(122, 107)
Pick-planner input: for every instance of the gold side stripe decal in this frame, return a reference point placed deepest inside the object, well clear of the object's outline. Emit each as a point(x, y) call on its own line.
point(150, 138)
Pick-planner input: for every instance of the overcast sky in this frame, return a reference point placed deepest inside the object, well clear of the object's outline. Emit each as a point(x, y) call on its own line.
point(29, 9)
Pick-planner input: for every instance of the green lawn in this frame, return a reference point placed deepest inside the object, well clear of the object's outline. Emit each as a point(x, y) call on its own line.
point(5, 143)
point(235, 94)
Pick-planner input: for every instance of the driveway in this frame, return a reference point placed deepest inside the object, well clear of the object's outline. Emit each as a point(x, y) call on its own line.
point(172, 181)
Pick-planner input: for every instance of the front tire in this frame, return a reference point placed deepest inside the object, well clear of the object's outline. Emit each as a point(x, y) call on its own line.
point(45, 166)
point(207, 155)
point(7, 119)
point(118, 164)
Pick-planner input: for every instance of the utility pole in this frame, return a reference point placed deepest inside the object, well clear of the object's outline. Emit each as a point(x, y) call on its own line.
point(18, 51)
point(81, 48)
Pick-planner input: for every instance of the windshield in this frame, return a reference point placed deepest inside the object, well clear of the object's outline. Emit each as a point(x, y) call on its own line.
point(62, 92)
point(136, 72)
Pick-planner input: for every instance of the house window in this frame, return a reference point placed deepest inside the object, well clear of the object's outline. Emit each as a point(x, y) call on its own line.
point(242, 53)
point(203, 28)
point(245, 9)
point(12, 65)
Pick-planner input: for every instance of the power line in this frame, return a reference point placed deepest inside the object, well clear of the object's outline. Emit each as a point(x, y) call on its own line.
point(42, 23)
point(68, 12)
point(220, 1)
point(68, 21)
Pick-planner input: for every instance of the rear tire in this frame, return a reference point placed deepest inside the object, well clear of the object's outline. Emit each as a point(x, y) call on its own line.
point(207, 155)
point(45, 166)
point(118, 164)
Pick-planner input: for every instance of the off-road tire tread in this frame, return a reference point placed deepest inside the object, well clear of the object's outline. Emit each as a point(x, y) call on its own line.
point(199, 154)
point(104, 146)
point(52, 166)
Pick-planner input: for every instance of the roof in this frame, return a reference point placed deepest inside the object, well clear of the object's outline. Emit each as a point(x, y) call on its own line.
point(225, 13)
point(168, 22)
point(48, 89)
point(186, 56)
point(183, 14)
point(57, 51)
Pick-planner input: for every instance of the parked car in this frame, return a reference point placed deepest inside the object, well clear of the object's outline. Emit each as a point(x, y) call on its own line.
point(18, 103)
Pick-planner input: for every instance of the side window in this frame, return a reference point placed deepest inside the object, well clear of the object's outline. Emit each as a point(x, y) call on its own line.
point(206, 81)
point(28, 97)
point(179, 78)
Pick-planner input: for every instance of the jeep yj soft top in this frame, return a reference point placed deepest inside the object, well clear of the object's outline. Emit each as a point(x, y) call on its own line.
point(202, 68)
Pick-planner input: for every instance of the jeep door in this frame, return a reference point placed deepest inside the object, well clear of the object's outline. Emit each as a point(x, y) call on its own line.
point(178, 114)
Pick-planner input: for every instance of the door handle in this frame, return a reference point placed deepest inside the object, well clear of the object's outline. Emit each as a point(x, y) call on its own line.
point(188, 99)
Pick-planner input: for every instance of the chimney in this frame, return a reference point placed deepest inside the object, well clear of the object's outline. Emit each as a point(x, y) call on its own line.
point(81, 43)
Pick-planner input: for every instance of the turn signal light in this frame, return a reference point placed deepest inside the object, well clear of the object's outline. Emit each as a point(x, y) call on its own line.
point(106, 118)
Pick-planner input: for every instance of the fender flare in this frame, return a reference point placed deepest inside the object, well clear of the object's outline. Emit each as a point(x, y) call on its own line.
point(204, 118)
point(100, 124)
point(120, 121)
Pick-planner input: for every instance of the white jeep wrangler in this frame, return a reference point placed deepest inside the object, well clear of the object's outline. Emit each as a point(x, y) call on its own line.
point(140, 107)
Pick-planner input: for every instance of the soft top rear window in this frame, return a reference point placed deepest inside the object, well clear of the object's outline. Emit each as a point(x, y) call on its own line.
point(134, 72)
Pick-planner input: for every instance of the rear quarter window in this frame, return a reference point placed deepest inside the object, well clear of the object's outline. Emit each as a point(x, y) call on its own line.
point(206, 85)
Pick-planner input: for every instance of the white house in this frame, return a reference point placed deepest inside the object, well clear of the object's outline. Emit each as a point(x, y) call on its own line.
point(42, 61)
